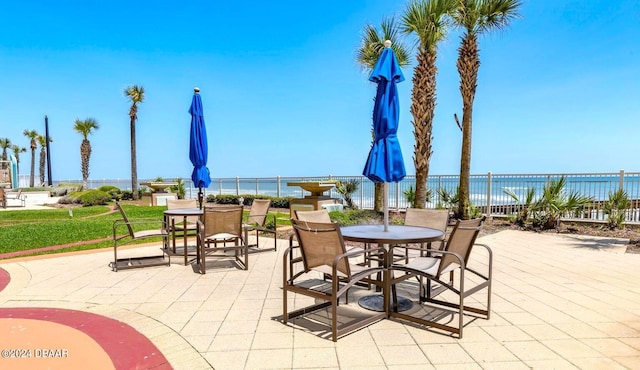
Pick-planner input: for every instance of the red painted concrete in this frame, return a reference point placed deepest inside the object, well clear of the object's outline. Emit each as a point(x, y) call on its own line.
point(4, 279)
point(127, 348)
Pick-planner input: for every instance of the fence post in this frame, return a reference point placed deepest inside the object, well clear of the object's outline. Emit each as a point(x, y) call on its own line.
point(488, 212)
point(220, 186)
point(257, 187)
point(397, 195)
point(237, 185)
point(278, 186)
point(621, 179)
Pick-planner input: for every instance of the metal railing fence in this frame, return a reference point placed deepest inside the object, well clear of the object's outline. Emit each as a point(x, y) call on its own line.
point(487, 191)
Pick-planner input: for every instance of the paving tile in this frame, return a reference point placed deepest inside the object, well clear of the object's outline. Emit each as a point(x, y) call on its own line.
point(446, 354)
point(315, 358)
point(403, 355)
point(270, 359)
point(611, 347)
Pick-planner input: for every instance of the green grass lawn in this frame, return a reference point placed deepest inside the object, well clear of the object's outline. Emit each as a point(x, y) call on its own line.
point(26, 230)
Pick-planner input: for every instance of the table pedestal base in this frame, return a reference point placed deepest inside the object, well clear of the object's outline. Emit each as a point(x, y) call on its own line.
point(375, 302)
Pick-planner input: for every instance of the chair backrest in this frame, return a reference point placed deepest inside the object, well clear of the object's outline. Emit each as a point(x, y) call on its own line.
point(461, 241)
point(183, 203)
point(320, 244)
point(320, 216)
point(125, 219)
point(432, 218)
point(258, 211)
point(223, 219)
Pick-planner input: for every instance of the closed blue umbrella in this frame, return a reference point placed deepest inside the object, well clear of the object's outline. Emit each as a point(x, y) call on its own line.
point(385, 162)
point(198, 148)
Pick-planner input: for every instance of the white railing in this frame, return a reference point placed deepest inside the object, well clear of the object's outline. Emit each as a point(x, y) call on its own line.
point(487, 191)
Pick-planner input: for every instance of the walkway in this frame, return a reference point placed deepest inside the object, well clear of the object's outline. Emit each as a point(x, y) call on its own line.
point(559, 301)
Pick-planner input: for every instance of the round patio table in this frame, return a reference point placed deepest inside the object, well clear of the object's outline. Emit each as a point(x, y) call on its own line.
point(395, 234)
point(182, 212)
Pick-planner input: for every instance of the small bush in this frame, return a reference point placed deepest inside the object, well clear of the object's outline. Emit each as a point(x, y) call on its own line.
point(615, 208)
point(67, 199)
point(126, 195)
point(92, 197)
point(108, 188)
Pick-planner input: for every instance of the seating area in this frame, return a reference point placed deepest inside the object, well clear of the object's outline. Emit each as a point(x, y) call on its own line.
point(548, 309)
point(320, 265)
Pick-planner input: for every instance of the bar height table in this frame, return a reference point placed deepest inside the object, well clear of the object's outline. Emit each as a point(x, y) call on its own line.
point(396, 234)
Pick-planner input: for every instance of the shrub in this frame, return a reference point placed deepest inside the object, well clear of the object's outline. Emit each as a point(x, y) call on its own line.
point(615, 208)
point(556, 202)
point(276, 202)
point(92, 197)
point(108, 188)
point(410, 195)
point(178, 189)
point(346, 188)
point(67, 199)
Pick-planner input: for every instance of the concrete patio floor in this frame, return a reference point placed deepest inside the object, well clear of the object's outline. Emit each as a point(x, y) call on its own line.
point(559, 302)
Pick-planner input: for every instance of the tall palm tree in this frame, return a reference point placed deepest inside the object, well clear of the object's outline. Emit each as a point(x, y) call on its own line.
point(371, 45)
point(42, 140)
point(475, 17)
point(33, 144)
point(4, 144)
point(84, 128)
point(16, 152)
point(427, 20)
point(135, 94)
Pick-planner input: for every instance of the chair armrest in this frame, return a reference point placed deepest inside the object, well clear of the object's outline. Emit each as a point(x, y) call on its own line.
point(354, 253)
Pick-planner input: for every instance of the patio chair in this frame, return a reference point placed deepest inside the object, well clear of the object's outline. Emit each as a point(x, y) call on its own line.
point(16, 196)
point(323, 252)
point(440, 268)
point(318, 216)
point(257, 221)
point(183, 225)
point(134, 233)
point(220, 233)
point(432, 218)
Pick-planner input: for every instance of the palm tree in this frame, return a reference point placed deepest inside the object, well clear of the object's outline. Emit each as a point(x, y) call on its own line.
point(84, 128)
point(371, 45)
point(42, 140)
point(32, 135)
point(475, 17)
point(16, 152)
point(4, 144)
point(135, 94)
point(427, 20)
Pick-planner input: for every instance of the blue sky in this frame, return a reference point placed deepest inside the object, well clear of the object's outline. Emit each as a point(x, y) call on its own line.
point(558, 91)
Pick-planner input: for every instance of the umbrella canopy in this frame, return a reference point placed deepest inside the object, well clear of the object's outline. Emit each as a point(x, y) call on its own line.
point(385, 162)
point(198, 148)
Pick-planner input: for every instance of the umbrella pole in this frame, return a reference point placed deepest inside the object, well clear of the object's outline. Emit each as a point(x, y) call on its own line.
point(386, 206)
point(200, 198)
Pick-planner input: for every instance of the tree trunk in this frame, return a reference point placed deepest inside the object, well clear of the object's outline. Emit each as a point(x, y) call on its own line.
point(43, 160)
point(134, 169)
point(423, 103)
point(32, 174)
point(468, 65)
point(378, 204)
point(85, 154)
